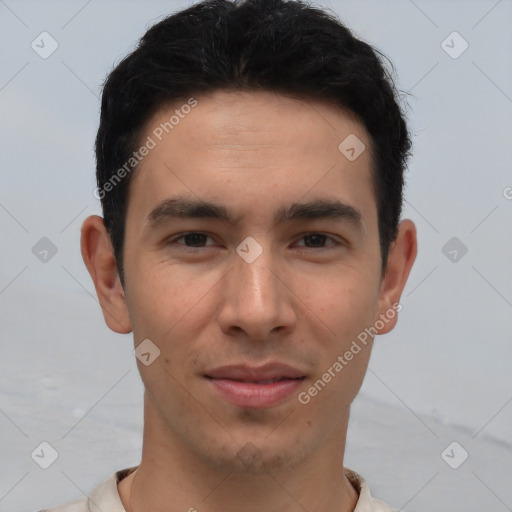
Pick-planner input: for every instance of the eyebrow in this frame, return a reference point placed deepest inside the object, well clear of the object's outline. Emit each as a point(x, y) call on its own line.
point(184, 207)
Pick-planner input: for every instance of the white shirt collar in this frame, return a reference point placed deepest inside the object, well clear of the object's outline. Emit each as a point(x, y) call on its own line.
point(105, 496)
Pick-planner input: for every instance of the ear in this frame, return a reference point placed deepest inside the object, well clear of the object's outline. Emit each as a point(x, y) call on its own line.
point(99, 259)
point(400, 260)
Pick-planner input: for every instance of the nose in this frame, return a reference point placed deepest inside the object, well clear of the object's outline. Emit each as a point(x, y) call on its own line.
point(258, 299)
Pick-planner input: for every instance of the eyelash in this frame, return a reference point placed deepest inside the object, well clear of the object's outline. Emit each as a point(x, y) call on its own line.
point(335, 243)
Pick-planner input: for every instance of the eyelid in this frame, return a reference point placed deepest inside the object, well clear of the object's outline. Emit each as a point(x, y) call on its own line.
point(335, 242)
point(178, 236)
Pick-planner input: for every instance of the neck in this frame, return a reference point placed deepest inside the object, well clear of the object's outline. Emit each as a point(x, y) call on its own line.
point(171, 478)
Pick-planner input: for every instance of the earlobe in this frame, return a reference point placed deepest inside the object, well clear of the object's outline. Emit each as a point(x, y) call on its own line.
point(100, 261)
point(400, 260)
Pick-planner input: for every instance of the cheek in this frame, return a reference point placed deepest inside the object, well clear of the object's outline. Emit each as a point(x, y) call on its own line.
point(346, 305)
point(156, 299)
point(346, 350)
point(165, 308)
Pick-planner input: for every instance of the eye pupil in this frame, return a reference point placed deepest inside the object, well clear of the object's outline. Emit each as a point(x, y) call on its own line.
point(318, 238)
point(196, 238)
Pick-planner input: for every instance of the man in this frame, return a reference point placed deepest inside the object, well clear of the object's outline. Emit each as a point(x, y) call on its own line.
point(250, 162)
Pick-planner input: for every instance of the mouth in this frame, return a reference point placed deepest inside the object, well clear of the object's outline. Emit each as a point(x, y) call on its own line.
point(255, 387)
point(264, 381)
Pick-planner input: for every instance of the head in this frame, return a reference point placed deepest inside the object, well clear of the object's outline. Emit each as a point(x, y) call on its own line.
point(231, 121)
point(281, 46)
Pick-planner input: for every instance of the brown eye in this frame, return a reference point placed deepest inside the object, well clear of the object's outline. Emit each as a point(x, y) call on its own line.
point(191, 241)
point(316, 239)
point(319, 241)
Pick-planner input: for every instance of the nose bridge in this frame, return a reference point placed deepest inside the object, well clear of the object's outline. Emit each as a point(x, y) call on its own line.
point(255, 281)
point(255, 299)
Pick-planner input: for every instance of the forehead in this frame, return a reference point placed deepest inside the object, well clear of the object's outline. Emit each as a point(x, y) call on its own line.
point(238, 117)
point(253, 147)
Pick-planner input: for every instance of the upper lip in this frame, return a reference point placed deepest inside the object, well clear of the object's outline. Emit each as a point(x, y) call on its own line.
point(248, 373)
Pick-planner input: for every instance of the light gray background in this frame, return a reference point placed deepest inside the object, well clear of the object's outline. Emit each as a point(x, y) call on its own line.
point(442, 375)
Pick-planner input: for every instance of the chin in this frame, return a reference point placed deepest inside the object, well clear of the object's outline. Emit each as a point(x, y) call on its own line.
point(258, 457)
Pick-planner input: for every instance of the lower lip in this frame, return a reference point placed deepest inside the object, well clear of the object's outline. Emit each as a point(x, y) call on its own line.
point(252, 394)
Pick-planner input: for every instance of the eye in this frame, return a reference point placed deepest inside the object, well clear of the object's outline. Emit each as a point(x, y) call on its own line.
point(318, 240)
point(193, 240)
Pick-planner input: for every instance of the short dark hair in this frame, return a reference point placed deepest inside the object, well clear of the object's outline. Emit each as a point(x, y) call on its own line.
point(283, 46)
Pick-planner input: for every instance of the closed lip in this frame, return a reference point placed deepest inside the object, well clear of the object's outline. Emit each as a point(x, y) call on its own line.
point(245, 373)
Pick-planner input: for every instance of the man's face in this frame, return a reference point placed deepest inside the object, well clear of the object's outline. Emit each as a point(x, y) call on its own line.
point(225, 320)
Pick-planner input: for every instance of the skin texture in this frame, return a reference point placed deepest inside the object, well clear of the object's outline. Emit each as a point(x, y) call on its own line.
point(253, 152)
